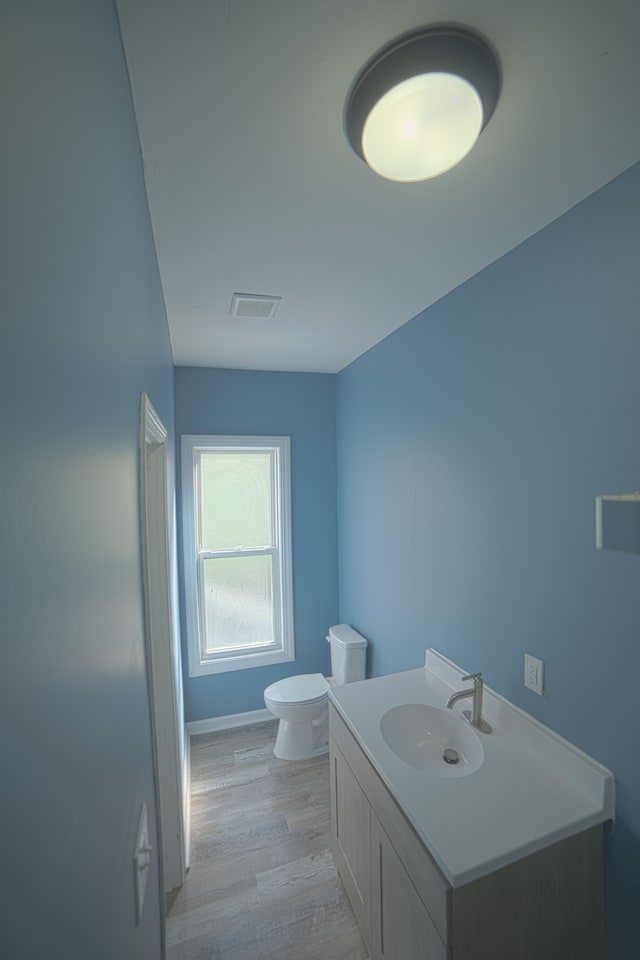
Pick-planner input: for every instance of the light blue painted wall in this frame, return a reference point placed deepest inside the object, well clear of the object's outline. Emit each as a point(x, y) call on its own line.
point(83, 332)
point(471, 444)
point(301, 406)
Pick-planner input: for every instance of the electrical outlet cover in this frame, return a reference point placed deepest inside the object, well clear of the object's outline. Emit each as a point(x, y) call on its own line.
point(533, 674)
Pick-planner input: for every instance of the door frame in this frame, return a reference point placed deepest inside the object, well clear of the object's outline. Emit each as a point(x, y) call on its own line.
point(162, 649)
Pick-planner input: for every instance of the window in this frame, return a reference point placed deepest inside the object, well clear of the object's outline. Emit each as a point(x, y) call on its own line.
point(237, 552)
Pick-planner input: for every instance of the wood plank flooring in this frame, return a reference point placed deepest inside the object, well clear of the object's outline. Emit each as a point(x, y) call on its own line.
point(262, 883)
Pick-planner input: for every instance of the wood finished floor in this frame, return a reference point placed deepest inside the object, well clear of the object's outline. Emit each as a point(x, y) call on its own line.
point(262, 883)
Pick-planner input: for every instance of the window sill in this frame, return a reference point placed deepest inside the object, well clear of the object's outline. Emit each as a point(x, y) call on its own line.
point(244, 662)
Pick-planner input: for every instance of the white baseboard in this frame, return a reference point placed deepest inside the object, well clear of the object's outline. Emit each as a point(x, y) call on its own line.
point(211, 724)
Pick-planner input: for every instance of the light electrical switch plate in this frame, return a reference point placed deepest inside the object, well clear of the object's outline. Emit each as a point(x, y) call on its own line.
point(142, 860)
point(534, 674)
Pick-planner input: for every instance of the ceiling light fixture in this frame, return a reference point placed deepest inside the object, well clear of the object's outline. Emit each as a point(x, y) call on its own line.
point(417, 108)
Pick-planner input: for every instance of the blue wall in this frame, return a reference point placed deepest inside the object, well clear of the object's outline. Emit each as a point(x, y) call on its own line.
point(83, 332)
point(471, 444)
point(301, 406)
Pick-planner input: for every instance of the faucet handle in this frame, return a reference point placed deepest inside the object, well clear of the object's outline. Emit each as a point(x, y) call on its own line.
point(476, 677)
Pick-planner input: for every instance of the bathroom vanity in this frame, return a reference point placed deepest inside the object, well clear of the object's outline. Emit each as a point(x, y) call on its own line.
point(497, 857)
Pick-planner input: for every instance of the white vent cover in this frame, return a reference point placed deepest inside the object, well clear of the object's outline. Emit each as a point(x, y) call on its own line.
point(254, 305)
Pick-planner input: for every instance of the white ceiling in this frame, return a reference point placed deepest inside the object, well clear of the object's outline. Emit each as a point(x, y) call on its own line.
point(253, 188)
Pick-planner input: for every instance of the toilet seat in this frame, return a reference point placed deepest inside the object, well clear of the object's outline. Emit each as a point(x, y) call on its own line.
point(304, 688)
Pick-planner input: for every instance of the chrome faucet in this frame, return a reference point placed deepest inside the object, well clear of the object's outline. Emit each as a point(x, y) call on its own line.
point(474, 716)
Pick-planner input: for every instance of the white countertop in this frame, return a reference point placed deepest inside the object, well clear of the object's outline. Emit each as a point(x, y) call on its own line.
point(532, 789)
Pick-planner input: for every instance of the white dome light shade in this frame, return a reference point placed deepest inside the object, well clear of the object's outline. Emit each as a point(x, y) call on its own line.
point(419, 105)
point(422, 127)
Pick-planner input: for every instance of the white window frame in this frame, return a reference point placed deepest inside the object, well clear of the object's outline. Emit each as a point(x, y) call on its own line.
point(200, 662)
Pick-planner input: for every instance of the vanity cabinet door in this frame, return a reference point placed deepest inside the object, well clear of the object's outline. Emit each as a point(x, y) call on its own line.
point(402, 927)
point(351, 828)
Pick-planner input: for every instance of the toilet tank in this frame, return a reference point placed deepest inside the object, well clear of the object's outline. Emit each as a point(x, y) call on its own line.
point(348, 653)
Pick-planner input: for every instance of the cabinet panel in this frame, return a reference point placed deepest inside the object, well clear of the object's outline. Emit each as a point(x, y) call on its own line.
point(402, 927)
point(429, 881)
point(549, 904)
point(351, 820)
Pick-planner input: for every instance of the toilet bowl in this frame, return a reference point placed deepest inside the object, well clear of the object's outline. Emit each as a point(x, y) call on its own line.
point(301, 702)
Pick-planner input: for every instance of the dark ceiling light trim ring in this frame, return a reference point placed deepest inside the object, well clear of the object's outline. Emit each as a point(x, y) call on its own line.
point(441, 49)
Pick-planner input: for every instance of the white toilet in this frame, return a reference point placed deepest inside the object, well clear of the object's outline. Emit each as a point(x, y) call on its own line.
point(301, 702)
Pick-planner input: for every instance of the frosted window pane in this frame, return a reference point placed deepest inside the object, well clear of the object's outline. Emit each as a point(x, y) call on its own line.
point(237, 602)
point(235, 500)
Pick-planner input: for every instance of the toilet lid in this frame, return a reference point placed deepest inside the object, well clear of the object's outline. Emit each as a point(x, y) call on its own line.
point(306, 686)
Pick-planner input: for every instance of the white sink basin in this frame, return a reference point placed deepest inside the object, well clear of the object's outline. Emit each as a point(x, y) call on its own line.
point(419, 734)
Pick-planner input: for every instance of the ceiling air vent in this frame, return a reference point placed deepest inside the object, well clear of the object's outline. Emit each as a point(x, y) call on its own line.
point(254, 305)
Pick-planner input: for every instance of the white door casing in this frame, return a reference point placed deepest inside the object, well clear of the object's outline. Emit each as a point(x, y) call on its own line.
point(162, 650)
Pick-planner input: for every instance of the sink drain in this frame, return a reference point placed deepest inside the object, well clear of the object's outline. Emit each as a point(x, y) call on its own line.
point(451, 756)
